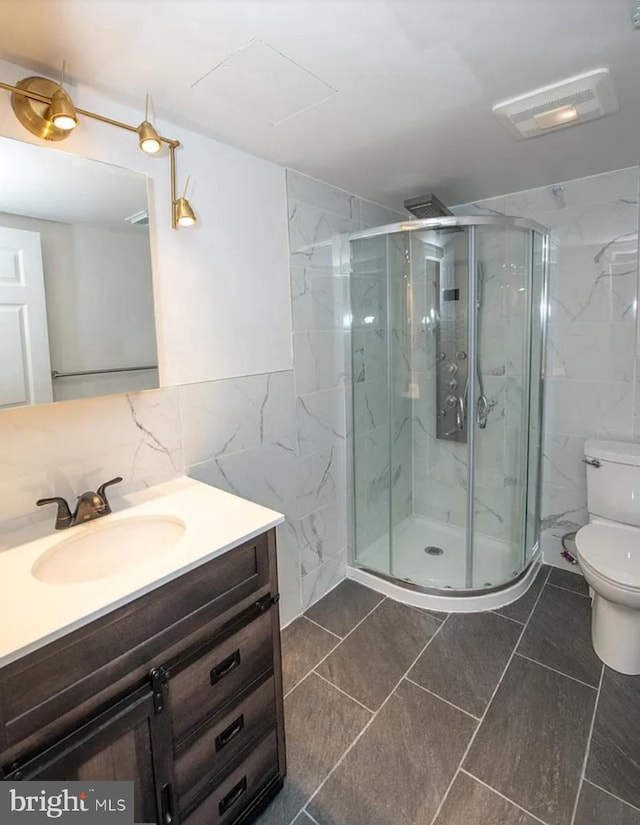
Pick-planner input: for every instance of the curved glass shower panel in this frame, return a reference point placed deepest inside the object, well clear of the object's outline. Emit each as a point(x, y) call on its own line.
point(500, 412)
point(429, 447)
point(539, 314)
point(369, 280)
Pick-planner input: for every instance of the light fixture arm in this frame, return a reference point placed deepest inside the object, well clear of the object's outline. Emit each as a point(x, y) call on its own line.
point(172, 159)
point(172, 144)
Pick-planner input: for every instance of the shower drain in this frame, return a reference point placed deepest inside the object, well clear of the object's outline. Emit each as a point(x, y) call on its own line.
point(432, 550)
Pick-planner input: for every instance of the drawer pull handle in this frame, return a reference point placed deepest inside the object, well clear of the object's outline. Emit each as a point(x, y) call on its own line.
point(229, 733)
point(224, 668)
point(167, 805)
point(233, 796)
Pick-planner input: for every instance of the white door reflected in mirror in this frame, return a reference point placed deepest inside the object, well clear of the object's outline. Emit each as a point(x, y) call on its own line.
point(24, 340)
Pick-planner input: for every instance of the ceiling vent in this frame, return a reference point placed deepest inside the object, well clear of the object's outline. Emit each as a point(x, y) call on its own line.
point(581, 98)
point(139, 218)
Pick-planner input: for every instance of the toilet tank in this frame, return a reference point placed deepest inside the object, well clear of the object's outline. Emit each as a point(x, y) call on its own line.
point(613, 481)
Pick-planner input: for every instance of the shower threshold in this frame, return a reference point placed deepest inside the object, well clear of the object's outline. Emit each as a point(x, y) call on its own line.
point(436, 581)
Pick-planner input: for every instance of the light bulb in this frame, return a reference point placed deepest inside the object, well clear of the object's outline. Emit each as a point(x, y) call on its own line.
point(149, 141)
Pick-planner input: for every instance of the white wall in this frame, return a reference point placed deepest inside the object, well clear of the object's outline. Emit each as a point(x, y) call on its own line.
point(221, 288)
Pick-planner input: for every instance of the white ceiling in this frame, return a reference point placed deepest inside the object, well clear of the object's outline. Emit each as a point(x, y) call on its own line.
point(386, 98)
point(58, 186)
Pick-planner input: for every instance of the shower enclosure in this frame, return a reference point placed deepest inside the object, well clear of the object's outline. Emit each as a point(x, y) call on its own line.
point(447, 339)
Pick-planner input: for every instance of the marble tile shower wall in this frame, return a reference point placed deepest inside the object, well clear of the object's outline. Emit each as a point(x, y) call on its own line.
point(320, 318)
point(592, 388)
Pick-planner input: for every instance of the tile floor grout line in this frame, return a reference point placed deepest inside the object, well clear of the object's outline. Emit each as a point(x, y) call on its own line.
point(344, 692)
point(370, 722)
point(555, 670)
point(306, 813)
point(604, 790)
point(335, 647)
point(567, 590)
point(437, 695)
point(490, 702)
point(587, 749)
point(309, 672)
point(508, 618)
point(322, 627)
point(298, 683)
point(498, 793)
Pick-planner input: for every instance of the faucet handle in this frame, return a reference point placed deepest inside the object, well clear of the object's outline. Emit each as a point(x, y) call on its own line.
point(64, 517)
point(103, 495)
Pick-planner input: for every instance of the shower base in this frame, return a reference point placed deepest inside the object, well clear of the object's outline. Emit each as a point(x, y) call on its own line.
point(422, 579)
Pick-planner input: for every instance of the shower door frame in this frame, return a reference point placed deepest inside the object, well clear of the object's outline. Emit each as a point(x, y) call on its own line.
point(470, 223)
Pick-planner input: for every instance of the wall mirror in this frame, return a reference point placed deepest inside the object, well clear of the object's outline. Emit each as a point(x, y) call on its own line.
point(76, 294)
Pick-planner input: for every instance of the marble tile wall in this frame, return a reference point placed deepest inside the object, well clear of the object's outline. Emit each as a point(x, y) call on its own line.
point(239, 434)
point(322, 373)
point(65, 448)
point(592, 355)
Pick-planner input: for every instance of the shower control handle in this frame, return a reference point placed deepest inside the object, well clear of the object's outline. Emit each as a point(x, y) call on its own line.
point(457, 402)
point(460, 412)
point(452, 369)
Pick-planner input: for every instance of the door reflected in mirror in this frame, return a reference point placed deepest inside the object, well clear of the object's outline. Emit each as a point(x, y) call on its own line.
point(76, 293)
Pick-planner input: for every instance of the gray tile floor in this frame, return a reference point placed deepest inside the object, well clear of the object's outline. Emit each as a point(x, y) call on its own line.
point(397, 716)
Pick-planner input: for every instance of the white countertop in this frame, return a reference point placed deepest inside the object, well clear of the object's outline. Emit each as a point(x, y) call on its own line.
point(34, 613)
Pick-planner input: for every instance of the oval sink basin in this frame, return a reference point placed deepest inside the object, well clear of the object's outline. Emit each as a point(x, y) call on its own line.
point(105, 550)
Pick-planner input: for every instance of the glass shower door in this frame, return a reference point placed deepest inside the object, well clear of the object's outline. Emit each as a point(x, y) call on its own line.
point(371, 404)
point(429, 342)
point(500, 414)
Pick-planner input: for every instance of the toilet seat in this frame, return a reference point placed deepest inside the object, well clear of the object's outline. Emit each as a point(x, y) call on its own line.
point(612, 552)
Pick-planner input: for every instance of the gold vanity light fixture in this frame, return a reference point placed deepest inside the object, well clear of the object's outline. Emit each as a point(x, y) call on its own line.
point(148, 140)
point(61, 111)
point(184, 214)
point(45, 109)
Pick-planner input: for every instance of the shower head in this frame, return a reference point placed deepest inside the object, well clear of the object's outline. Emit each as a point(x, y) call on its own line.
point(427, 206)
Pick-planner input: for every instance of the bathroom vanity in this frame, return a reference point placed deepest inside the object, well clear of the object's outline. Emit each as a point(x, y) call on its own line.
point(176, 685)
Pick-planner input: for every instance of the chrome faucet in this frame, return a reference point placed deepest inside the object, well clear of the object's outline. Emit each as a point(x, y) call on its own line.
point(90, 506)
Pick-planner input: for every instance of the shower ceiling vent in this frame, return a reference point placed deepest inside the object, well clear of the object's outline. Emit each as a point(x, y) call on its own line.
point(581, 98)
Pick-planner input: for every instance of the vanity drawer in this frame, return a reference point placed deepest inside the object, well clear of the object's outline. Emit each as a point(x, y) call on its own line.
point(210, 678)
point(240, 788)
point(213, 747)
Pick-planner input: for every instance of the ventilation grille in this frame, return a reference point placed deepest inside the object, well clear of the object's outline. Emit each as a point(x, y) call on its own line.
point(139, 218)
point(592, 94)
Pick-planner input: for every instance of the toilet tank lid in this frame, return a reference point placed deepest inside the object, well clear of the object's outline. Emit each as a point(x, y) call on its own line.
point(617, 451)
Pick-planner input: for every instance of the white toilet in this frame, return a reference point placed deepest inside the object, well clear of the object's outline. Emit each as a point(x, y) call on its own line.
point(608, 550)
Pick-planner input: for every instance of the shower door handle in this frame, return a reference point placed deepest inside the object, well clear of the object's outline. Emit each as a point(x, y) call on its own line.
point(482, 411)
point(460, 413)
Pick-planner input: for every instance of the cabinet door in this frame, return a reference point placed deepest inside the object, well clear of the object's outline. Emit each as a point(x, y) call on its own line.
point(131, 741)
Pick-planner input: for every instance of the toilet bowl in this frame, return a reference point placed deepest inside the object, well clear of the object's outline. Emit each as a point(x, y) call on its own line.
point(608, 549)
point(609, 555)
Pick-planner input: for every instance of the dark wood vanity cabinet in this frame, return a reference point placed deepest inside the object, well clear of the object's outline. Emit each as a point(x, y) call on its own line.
point(179, 691)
